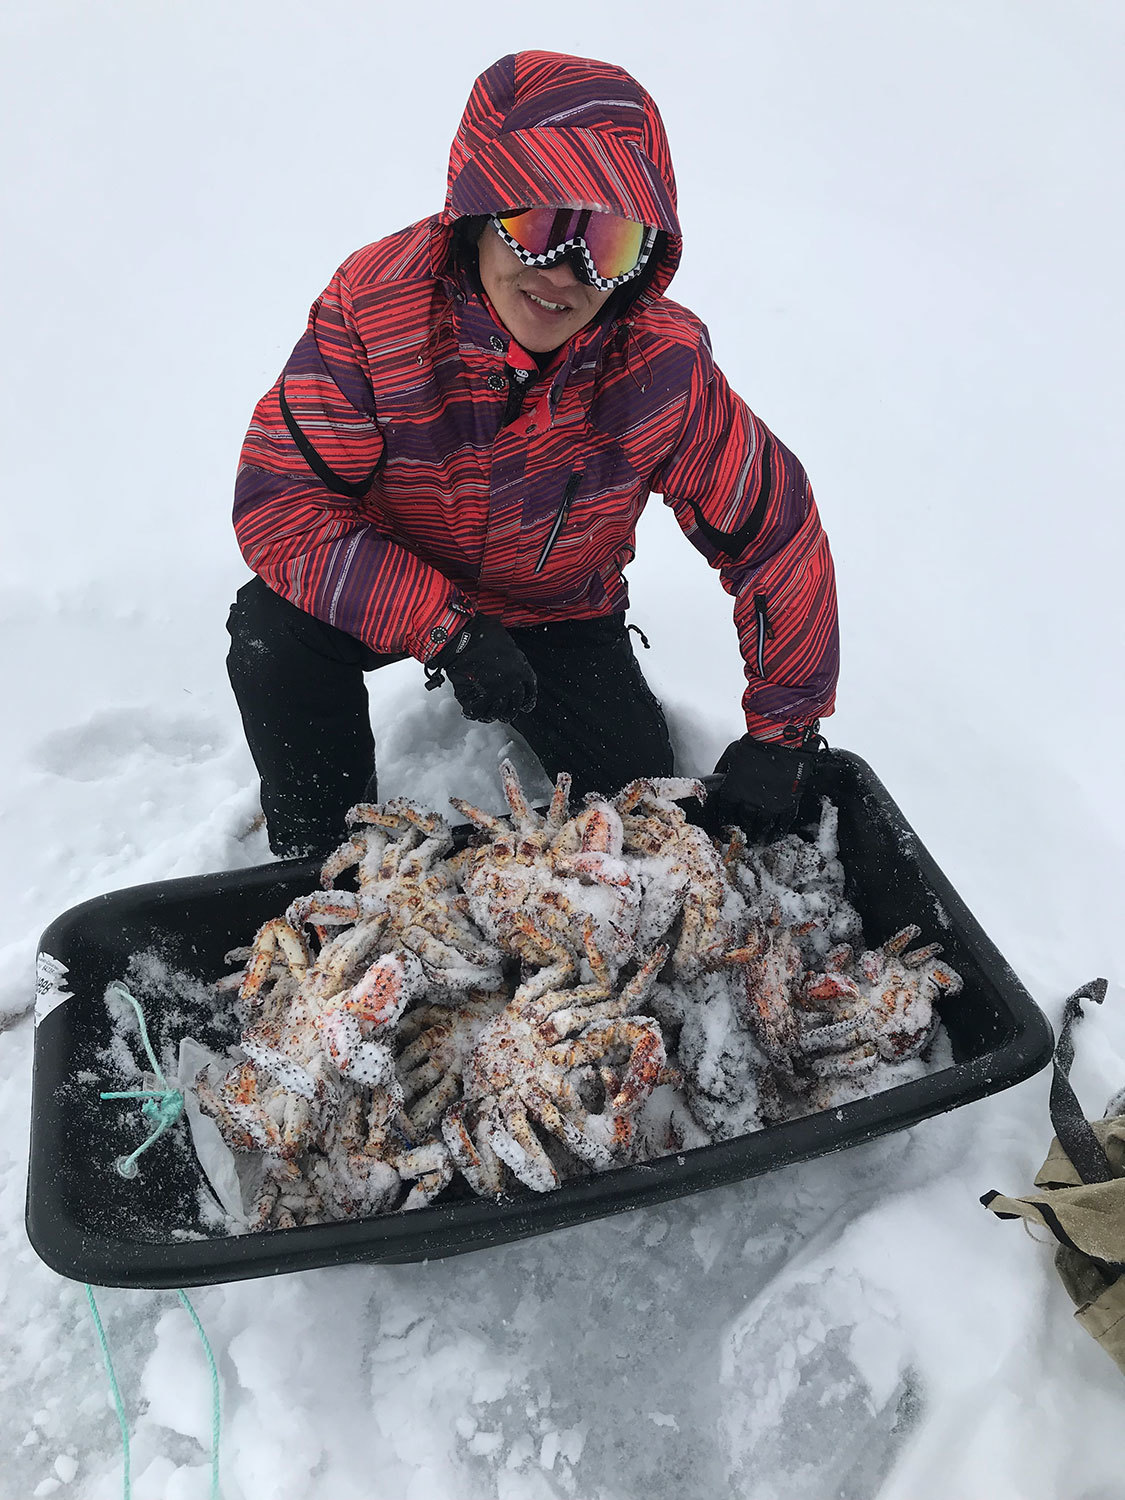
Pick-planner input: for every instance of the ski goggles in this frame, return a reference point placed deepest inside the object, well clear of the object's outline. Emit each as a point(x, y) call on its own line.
point(604, 250)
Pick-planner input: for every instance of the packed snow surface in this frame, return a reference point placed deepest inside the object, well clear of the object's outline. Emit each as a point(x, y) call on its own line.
point(904, 229)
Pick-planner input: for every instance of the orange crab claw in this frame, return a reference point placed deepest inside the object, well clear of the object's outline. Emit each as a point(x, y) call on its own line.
point(646, 1064)
point(829, 986)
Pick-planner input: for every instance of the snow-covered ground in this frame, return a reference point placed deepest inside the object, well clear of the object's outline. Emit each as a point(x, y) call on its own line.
point(904, 228)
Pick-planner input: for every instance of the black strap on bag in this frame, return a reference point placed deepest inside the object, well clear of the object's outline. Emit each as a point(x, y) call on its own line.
point(1080, 1197)
point(1071, 1126)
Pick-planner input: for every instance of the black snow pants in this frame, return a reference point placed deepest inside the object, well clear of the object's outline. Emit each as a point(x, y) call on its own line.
point(300, 690)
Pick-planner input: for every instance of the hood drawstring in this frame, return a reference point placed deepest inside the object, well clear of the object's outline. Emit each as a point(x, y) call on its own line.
point(444, 317)
point(627, 328)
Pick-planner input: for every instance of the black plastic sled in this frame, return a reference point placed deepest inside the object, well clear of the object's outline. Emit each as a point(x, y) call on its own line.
point(89, 1223)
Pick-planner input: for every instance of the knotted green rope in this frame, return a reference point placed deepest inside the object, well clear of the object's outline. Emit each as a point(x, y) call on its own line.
point(162, 1107)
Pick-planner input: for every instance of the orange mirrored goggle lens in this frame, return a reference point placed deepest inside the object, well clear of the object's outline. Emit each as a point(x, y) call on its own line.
point(610, 249)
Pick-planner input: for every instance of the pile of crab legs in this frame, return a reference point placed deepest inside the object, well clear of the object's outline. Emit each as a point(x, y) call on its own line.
point(482, 1013)
point(826, 1013)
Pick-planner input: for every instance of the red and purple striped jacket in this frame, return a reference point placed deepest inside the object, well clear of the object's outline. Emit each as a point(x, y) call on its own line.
point(380, 490)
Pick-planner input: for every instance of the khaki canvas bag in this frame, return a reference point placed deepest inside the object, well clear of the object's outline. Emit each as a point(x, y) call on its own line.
point(1083, 1199)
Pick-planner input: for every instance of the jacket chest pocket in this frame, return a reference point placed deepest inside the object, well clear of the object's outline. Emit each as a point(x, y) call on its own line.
point(764, 630)
point(568, 494)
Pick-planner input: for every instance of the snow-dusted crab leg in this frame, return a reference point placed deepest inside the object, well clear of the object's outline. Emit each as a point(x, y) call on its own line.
point(558, 814)
point(324, 909)
point(524, 815)
point(432, 1166)
point(558, 1016)
point(647, 1066)
point(509, 1134)
point(340, 957)
point(471, 1153)
point(274, 937)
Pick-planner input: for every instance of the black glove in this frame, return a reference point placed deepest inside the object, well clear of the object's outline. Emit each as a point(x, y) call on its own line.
point(762, 785)
point(491, 677)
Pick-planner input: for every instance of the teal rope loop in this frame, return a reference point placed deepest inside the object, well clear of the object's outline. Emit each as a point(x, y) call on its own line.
point(216, 1405)
point(122, 1422)
point(119, 1404)
point(162, 1107)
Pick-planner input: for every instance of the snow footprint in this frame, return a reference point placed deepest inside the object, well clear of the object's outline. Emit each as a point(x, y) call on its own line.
point(113, 738)
point(817, 1390)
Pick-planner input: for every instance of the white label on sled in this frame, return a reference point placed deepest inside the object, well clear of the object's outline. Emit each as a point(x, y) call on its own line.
point(50, 985)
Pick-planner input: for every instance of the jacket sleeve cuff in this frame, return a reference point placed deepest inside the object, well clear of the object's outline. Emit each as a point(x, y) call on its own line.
point(429, 634)
point(793, 733)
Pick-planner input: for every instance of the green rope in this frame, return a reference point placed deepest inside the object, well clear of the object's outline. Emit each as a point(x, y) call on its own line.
point(120, 989)
point(216, 1407)
point(127, 1489)
point(119, 1404)
point(162, 1107)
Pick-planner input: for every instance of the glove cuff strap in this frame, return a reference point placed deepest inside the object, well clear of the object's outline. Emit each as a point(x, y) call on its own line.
point(804, 736)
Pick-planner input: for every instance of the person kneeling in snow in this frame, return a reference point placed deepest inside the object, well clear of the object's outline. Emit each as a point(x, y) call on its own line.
point(452, 464)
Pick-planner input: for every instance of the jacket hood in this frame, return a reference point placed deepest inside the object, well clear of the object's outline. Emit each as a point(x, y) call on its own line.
point(544, 127)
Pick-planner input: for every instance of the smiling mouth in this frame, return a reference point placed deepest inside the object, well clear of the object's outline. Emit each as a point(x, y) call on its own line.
point(555, 307)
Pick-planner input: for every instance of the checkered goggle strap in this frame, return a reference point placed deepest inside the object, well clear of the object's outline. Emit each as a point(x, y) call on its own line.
point(605, 250)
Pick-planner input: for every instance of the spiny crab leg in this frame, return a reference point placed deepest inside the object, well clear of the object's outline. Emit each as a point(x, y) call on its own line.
point(558, 1011)
point(423, 835)
point(363, 848)
point(274, 935)
point(656, 790)
point(340, 956)
point(647, 1065)
point(442, 957)
point(557, 964)
point(324, 908)
point(471, 1153)
point(430, 1106)
point(432, 847)
point(524, 815)
point(857, 1059)
point(290, 1075)
point(559, 811)
point(349, 854)
point(735, 851)
point(482, 820)
point(397, 816)
point(432, 1166)
point(902, 940)
point(919, 956)
point(508, 1132)
point(571, 1128)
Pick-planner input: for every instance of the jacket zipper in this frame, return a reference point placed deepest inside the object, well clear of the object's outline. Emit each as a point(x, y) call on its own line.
point(560, 520)
point(761, 613)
